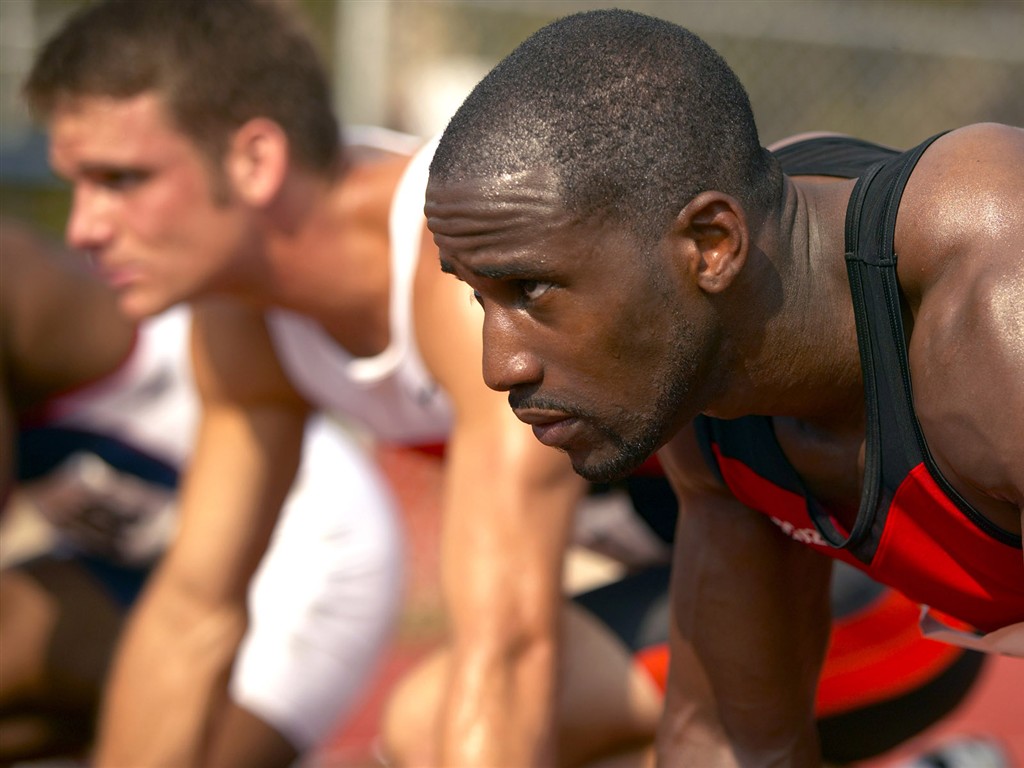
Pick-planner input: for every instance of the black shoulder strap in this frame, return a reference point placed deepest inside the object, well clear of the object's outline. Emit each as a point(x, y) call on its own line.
point(894, 444)
point(845, 157)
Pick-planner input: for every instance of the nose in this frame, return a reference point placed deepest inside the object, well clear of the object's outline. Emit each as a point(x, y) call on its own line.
point(507, 362)
point(89, 226)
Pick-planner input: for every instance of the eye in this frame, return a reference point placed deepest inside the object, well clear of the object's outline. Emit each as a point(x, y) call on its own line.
point(119, 180)
point(533, 289)
point(474, 296)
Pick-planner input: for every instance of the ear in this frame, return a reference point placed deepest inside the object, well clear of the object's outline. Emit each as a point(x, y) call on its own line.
point(257, 160)
point(712, 229)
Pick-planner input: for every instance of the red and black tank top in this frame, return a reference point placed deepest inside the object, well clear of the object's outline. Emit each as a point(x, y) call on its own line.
point(913, 531)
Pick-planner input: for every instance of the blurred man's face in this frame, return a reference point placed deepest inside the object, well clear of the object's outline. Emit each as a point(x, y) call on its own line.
point(584, 327)
point(143, 202)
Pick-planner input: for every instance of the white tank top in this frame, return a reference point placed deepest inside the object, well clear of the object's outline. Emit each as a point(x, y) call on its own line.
point(149, 402)
point(117, 445)
point(391, 394)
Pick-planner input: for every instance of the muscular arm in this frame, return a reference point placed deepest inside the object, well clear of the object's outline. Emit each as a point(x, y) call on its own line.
point(508, 505)
point(960, 235)
point(169, 678)
point(750, 623)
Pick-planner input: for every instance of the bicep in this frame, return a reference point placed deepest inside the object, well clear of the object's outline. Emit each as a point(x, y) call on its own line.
point(960, 236)
point(967, 369)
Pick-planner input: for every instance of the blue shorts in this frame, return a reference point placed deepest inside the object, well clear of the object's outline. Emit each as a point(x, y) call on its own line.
point(123, 583)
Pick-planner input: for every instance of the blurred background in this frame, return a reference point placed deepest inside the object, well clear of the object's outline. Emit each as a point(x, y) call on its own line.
point(894, 71)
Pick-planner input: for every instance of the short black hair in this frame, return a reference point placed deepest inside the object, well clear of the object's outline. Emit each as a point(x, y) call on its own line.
point(635, 115)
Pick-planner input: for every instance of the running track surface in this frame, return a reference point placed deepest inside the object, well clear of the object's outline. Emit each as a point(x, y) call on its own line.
point(995, 707)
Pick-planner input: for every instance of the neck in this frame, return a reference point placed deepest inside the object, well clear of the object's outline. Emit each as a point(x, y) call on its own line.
point(797, 355)
point(326, 250)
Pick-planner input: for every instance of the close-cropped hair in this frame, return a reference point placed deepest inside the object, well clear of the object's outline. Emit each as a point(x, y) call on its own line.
point(215, 63)
point(635, 116)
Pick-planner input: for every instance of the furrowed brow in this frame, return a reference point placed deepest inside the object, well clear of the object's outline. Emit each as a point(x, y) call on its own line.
point(513, 271)
point(504, 271)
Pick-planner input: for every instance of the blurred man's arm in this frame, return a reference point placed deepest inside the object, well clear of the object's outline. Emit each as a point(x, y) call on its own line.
point(508, 506)
point(60, 329)
point(169, 678)
point(750, 623)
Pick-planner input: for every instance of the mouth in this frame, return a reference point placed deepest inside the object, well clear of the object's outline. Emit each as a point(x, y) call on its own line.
point(118, 276)
point(552, 428)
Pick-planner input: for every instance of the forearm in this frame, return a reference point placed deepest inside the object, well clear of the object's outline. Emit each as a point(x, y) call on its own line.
point(504, 545)
point(750, 624)
point(693, 730)
point(500, 708)
point(168, 682)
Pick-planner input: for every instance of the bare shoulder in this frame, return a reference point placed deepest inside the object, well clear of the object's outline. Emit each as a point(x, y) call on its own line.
point(964, 199)
point(960, 241)
point(370, 185)
point(234, 357)
point(61, 325)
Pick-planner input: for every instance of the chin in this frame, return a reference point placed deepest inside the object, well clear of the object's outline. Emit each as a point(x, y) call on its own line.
point(608, 470)
point(138, 307)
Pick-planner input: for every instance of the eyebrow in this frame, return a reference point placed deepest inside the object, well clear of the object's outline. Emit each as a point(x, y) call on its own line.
point(502, 271)
point(112, 167)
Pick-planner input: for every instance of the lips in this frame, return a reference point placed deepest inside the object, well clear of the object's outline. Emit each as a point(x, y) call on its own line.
point(551, 428)
point(119, 276)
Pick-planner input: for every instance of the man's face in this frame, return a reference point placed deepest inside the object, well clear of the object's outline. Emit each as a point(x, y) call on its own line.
point(143, 201)
point(584, 326)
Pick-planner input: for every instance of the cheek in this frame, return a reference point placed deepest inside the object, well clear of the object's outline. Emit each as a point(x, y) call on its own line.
point(601, 353)
point(630, 334)
point(190, 228)
point(161, 214)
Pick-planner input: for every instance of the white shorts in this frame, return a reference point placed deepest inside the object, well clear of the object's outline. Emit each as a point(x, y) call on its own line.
point(326, 594)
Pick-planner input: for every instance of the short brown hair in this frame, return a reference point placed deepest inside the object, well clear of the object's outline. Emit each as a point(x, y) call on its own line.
point(217, 63)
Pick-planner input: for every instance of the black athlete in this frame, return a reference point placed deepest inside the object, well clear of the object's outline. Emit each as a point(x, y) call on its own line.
point(642, 260)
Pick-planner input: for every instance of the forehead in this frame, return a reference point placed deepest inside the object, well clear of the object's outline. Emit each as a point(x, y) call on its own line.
point(508, 212)
point(102, 130)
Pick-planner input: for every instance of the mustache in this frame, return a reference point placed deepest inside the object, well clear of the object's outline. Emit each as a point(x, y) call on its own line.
point(530, 400)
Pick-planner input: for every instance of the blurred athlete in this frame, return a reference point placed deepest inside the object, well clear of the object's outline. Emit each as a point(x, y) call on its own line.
point(206, 164)
point(830, 366)
point(99, 416)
